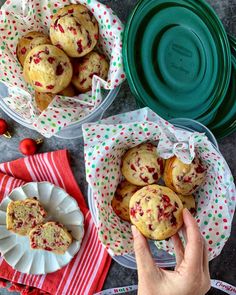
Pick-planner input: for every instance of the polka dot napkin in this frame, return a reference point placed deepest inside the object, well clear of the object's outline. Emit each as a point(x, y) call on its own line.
point(19, 17)
point(107, 141)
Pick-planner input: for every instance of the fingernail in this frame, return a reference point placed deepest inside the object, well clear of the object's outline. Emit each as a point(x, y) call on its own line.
point(134, 231)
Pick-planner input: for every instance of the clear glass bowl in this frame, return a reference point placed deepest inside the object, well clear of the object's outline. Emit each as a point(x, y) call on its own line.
point(162, 258)
point(72, 131)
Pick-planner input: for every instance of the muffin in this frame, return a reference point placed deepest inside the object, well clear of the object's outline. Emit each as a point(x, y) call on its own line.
point(44, 99)
point(75, 30)
point(156, 211)
point(51, 236)
point(23, 215)
point(48, 69)
point(189, 203)
point(182, 178)
point(121, 199)
point(28, 42)
point(142, 165)
point(84, 69)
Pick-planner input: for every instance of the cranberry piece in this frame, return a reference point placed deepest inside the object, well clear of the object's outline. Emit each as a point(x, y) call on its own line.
point(70, 10)
point(23, 50)
point(50, 87)
point(19, 224)
point(89, 40)
point(37, 60)
point(173, 220)
point(160, 213)
point(200, 169)
point(165, 198)
point(150, 227)
point(38, 84)
point(31, 216)
point(155, 176)
point(73, 30)
point(29, 38)
point(96, 36)
point(58, 46)
point(61, 28)
point(161, 164)
point(44, 241)
point(51, 59)
point(187, 179)
point(46, 51)
point(176, 205)
point(133, 167)
point(30, 60)
point(80, 47)
point(33, 245)
point(132, 212)
point(141, 212)
point(48, 249)
point(137, 163)
point(150, 170)
point(59, 70)
point(78, 25)
point(144, 178)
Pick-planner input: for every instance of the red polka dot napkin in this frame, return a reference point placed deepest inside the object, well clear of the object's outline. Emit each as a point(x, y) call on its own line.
point(19, 17)
point(86, 273)
point(107, 141)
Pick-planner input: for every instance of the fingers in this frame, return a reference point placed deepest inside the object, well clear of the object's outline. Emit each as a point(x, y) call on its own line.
point(179, 249)
point(194, 248)
point(143, 255)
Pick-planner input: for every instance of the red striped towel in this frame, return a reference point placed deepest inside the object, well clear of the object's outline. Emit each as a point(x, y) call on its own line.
point(86, 273)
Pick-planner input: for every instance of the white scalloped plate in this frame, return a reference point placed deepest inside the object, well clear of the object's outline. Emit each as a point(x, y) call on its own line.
point(61, 207)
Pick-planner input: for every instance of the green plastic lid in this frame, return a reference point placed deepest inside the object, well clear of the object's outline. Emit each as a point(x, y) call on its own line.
point(177, 58)
point(224, 122)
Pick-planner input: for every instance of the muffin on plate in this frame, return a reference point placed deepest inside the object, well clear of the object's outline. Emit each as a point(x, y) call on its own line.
point(51, 236)
point(84, 69)
point(75, 30)
point(121, 199)
point(23, 215)
point(48, 69)
point(142, 165)
point(156, 211)
point(28, 42)
point(182, 178)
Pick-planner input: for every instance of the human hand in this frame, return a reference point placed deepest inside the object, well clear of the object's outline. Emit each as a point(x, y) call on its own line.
point(191, 274)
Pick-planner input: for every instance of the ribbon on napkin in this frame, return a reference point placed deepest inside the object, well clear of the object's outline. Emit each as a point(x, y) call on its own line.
point(86, 273)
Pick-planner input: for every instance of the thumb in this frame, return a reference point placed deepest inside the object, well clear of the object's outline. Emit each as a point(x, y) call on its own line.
point(145, 262)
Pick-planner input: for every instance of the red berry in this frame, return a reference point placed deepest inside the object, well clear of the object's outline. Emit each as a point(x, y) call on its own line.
point(28, 146)
point(3, 126)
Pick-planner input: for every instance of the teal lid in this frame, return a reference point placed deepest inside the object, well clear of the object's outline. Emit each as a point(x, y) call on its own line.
point(224, 122)
point(177, 58)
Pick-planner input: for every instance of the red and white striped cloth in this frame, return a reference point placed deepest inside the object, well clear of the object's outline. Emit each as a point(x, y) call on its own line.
point(86, 273)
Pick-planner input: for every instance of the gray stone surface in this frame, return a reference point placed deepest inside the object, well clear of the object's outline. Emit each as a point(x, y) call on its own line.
point(223, 267)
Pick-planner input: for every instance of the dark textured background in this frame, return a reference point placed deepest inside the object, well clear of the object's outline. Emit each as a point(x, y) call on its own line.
point(223, 267)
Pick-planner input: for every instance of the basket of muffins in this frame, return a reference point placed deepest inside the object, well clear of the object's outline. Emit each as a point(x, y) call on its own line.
point(142, 170)
point(66, 62)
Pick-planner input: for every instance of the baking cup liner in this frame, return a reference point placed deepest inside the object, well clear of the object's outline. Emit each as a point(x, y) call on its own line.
point(105, 144)
point(19, 17)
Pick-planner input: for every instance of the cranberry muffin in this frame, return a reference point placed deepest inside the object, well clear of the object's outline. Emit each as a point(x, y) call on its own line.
point(142, 165)
point(23, 215)
point(28, 42)
point(121, 199)
point(44, 99)
point(48, 69)
point(156, 211)
point(182, 178)
point(84, 69)
point(51, 236)
point(75, 30)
